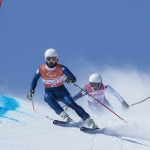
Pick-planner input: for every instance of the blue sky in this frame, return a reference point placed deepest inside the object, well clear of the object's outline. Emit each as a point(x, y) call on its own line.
point(111, 32)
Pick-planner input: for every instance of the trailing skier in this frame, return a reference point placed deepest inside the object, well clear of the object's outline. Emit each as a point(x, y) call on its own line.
point(96, 90)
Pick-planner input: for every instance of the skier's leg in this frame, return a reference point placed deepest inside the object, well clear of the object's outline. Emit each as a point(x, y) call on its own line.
point(66, 98)
point(50, 100)
point(94, 107)
point(99, 109)
point(105, 102)
point(78, 109)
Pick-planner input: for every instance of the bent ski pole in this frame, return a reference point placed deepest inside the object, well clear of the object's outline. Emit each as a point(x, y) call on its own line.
point(98, 101)
point(140, 101)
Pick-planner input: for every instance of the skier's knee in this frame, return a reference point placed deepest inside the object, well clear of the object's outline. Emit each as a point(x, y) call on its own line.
point(53, 104)
point(72, 105)
point(48, 98)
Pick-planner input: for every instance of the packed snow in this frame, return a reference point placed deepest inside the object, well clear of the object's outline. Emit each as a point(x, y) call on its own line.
point(25, 129)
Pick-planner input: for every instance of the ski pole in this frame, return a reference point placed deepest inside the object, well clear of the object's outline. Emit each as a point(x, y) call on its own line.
point(98, 101)
point(33, 105)
point(140, 101)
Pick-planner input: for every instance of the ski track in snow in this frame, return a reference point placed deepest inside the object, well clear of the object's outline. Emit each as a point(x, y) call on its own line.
point(23, 129)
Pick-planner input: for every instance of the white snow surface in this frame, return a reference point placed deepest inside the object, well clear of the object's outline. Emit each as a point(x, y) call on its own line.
point(24, 129)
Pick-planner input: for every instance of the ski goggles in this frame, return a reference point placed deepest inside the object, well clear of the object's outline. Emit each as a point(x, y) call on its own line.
point(51, 58)
point(95, 84)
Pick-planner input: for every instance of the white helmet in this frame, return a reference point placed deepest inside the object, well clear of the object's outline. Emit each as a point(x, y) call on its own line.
point(95, 78)
point(51, 53)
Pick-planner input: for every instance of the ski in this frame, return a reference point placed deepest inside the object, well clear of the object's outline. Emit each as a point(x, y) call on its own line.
point(74, 124)
point(61, 123)
point(58, 122)
point(85, 129)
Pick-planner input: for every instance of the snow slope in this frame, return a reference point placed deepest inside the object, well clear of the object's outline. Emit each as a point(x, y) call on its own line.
point(24, 129)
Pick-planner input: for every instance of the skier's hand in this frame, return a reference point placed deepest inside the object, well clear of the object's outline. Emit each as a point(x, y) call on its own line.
point(30, 95)
point(125, 106)
point(65, 108)
point(69, 81)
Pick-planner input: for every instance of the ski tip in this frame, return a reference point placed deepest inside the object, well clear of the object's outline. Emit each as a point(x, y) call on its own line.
point(55, 122)
point(82, 128)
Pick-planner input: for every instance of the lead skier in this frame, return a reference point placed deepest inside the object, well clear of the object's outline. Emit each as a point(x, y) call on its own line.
point(96, 88)
point(54, 75)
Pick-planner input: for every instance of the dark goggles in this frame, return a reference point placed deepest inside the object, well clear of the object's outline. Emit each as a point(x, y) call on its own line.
point(51, 58)
point(95, 84)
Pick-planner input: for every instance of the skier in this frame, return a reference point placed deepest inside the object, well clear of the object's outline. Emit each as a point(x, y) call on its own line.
point(53, 76)
point(96, 88)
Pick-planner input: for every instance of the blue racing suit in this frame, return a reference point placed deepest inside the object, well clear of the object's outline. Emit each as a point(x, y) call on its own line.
point(55, 94)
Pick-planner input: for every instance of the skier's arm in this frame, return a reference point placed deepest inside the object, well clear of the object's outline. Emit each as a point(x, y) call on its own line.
point(68, 74)
point(35, 79)
point(33, 84)
point(80, 94)
point(110, 90)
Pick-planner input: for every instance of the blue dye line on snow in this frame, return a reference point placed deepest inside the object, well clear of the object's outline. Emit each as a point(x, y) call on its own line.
point(10, 118)
point(8, 104)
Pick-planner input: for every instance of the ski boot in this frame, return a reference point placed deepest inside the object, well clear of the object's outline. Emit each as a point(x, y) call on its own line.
point(91, 123)
point(65, 117)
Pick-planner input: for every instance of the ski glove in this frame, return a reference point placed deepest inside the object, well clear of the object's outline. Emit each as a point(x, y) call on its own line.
point(125, 106)
point(30, 95)
point(65, 108)
point(68, 80)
